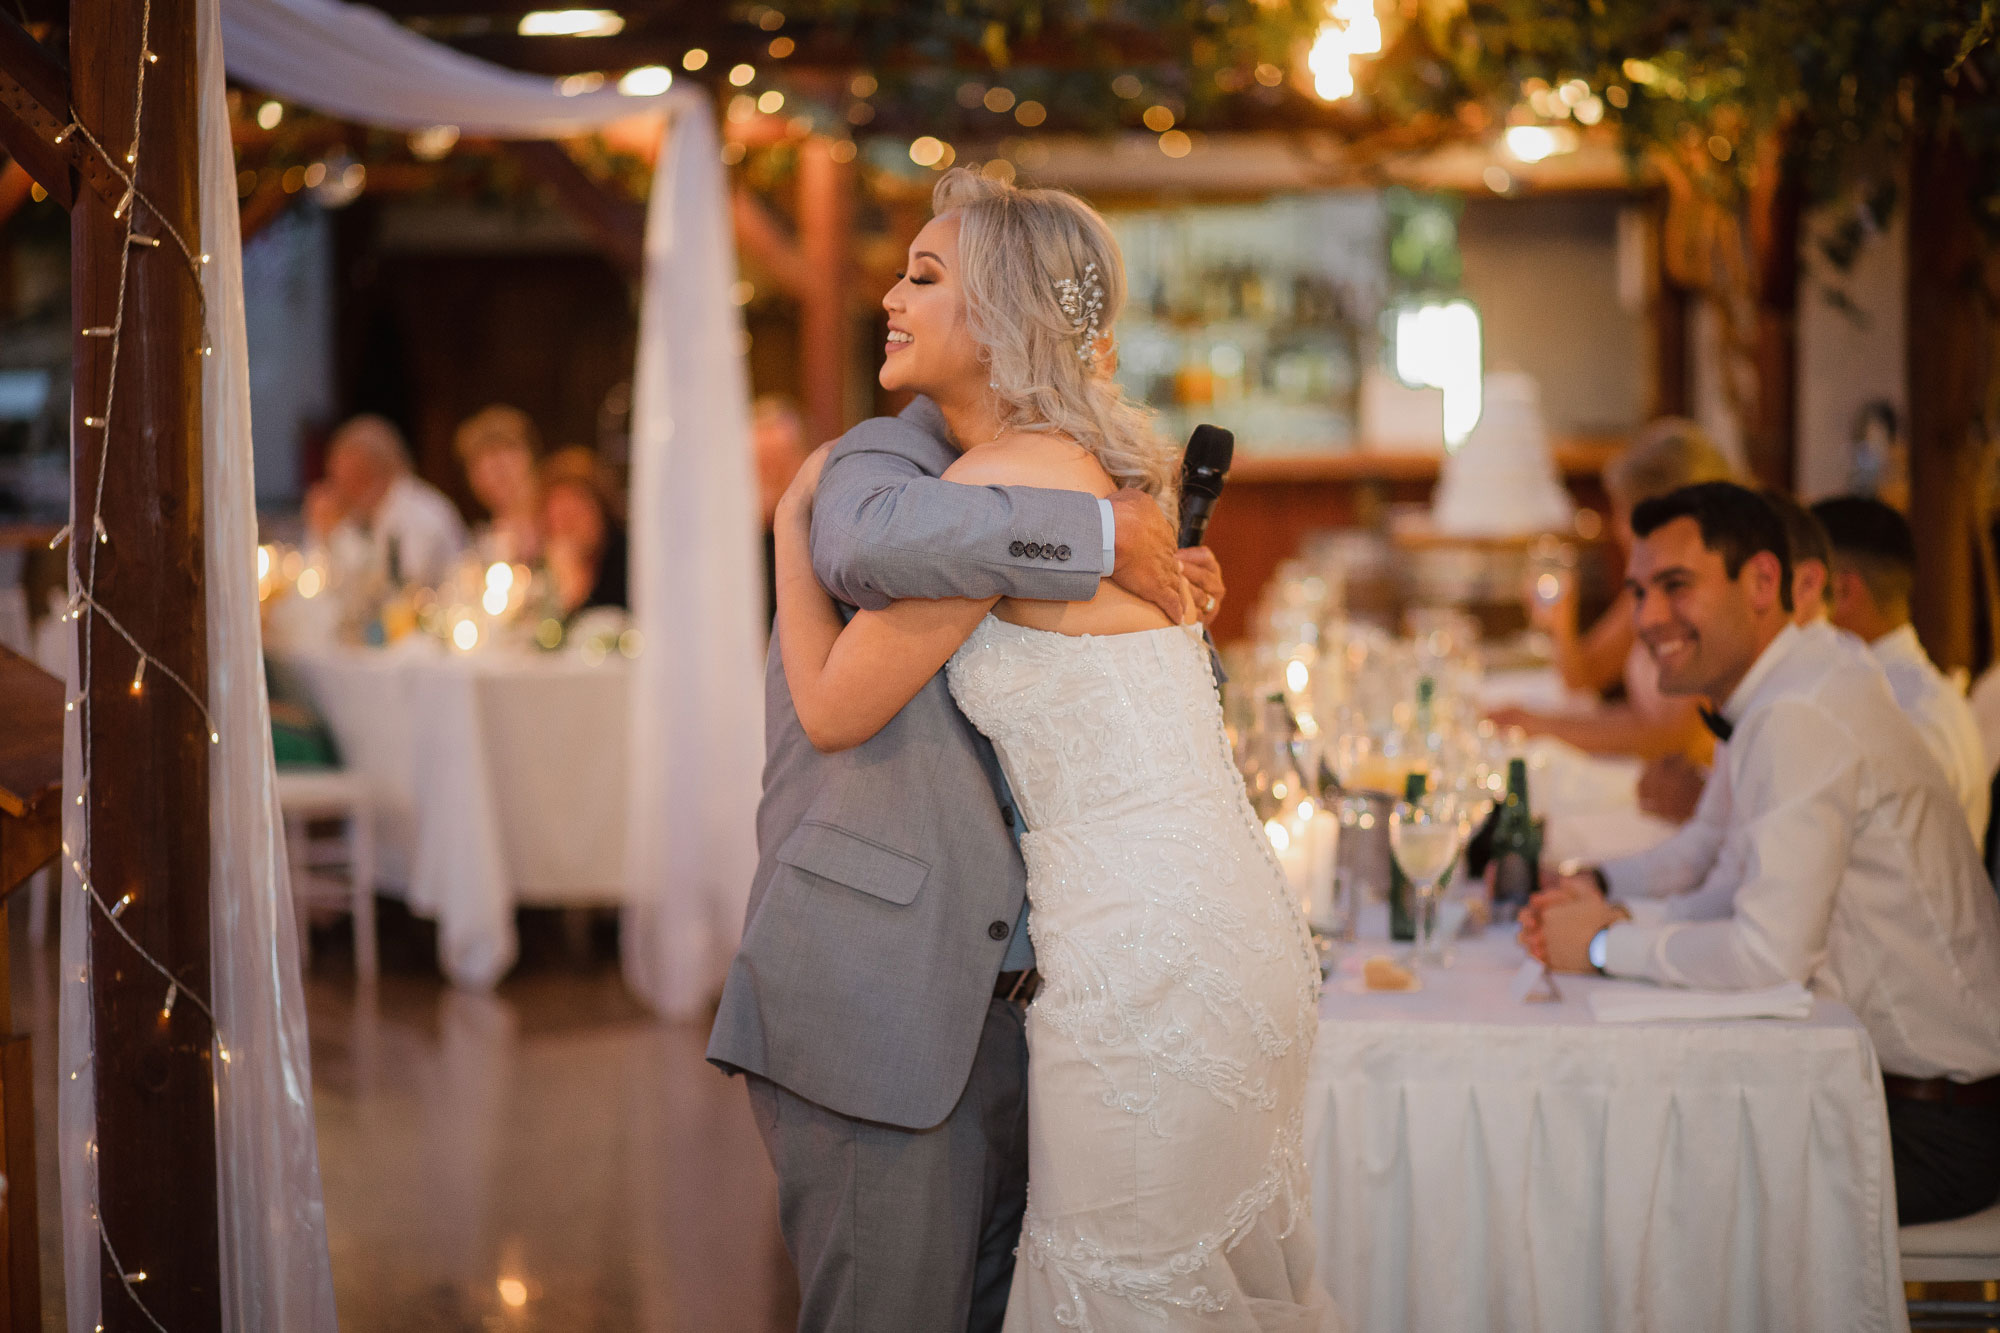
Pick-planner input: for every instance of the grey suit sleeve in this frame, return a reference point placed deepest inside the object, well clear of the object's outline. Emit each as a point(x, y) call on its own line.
point(884, 529)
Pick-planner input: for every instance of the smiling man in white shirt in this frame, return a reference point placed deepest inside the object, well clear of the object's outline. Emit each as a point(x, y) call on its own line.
point(1874, 570)
point(1846, 863)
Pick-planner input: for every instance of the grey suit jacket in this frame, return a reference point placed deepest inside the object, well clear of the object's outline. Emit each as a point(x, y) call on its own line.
point(888, 881)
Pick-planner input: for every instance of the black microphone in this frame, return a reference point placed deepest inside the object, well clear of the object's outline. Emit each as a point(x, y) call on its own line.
point(1203, 470)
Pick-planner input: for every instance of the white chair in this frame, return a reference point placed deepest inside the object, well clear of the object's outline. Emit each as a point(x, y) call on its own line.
point(1967, 1250)
point(307, 796)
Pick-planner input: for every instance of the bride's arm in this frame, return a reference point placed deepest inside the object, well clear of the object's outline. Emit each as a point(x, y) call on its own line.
point(848, 680)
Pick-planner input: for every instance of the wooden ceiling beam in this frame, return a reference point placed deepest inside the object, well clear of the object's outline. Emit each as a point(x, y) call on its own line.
point(618, 224)
point(34, 108)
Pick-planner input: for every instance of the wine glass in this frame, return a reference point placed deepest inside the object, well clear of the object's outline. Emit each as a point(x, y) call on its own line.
point(1426, 836)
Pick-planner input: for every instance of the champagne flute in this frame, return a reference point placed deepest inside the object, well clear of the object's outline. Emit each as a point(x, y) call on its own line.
point(1426, 835)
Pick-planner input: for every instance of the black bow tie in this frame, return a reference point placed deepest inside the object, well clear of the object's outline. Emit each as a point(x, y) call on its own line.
point(1717, 723)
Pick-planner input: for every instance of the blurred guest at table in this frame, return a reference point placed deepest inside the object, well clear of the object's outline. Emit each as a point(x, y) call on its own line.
point(1874, 570)
point(499, 446)
point(1812, 557)
point(583, 536)
point(1669, 453)
point(371, 502)
point(1844, 863)
point(778, 439)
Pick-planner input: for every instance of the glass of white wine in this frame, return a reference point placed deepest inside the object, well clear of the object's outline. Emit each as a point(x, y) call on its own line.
point(1427, 835)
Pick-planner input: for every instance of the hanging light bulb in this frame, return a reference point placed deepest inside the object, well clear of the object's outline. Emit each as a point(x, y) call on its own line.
point(1364, 30)
point(1332, 71)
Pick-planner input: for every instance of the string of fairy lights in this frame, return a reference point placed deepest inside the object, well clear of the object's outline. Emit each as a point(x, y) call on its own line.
point(84, 608)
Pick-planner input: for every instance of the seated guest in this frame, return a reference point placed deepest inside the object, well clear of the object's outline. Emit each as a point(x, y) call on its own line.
point(1673, 786)
point(370, 501)
point(1812, 557)
point(1844, 863)
point(498, 447)
point(1669, 453)
point(583, 541)
point(1874, 569)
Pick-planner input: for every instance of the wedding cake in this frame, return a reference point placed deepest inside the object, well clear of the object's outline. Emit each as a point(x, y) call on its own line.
point(1502, 481)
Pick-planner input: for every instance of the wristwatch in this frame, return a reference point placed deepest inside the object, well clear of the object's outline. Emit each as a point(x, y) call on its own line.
point(1599, 944)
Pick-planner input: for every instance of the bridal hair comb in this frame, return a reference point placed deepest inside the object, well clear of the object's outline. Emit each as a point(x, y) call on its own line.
point(1082, 304)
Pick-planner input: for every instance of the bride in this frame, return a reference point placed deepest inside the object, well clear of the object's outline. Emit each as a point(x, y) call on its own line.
point(1169, 1042)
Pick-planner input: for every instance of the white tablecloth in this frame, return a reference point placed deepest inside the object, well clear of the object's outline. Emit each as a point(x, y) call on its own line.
point(498, 780)
point(1480, 1164)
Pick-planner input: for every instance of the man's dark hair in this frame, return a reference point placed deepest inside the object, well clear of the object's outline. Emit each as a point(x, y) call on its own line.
point(1875, 541)
point(1803, 532)
point(1736, 523)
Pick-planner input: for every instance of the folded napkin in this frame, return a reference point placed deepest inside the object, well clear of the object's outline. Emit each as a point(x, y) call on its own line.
point(1636, 1002)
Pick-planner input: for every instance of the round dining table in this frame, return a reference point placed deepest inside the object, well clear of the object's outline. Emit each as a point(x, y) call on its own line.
point(498, 779)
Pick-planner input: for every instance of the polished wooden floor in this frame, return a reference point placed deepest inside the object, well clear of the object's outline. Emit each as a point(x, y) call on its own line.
point(545, 1159)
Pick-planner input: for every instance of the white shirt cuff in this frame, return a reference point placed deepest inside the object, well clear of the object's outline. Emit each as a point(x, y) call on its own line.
point(1110, 527)
point(1628, 950)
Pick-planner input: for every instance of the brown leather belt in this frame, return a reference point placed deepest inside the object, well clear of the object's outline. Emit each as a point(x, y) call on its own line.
point(1019, 987)
point(1943, 1091)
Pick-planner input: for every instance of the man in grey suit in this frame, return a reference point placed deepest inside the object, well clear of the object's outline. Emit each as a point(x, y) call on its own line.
point(876, 1005)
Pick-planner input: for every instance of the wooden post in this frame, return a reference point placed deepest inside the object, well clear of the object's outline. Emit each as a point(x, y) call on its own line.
point(1943, 364)
point(148, 749)
point(1668, 305)
point(31, 746)
point(826, 329)
point(1777, 202)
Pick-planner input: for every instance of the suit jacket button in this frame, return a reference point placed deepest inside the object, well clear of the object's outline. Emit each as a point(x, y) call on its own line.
point(1007, 816)
point(1034, 550)
point(997, 931)
point(1062, 552)
point(1016, 549)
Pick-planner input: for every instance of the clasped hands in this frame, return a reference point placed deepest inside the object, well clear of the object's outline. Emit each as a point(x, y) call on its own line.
point(1558, 923)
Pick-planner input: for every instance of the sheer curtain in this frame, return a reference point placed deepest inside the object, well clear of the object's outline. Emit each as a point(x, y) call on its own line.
point(696, 750)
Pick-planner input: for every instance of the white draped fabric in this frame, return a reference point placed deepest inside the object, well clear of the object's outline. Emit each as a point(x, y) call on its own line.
point(1486, 1165)
point(361, 65)
point(694, 747)
point(694, 772)
point(697, 748)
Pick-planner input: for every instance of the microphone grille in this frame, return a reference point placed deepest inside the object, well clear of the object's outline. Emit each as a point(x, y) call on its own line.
point(1210, 448)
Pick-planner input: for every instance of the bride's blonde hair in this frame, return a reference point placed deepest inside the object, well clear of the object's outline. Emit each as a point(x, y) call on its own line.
point(1015, 249)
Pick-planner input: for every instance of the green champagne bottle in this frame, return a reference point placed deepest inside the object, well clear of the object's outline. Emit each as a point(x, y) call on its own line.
point(1517, 843)
point(1402, 921)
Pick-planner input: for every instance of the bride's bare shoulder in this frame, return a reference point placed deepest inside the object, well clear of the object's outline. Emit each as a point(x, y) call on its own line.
point(1032, 458)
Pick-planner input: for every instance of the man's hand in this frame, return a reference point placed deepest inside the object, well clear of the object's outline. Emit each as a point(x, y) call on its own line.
point(1560, 888)
point(1670, 787)
point(1144, 563)
point(1202, 570)
point(1567, 929)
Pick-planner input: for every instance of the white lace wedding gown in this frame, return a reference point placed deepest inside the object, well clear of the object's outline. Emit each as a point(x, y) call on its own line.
point(1167, 1050)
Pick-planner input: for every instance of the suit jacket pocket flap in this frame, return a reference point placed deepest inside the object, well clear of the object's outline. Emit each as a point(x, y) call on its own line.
point(847, 858)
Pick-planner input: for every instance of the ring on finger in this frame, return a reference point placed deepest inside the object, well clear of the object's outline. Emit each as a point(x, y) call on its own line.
point(1208, 604)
